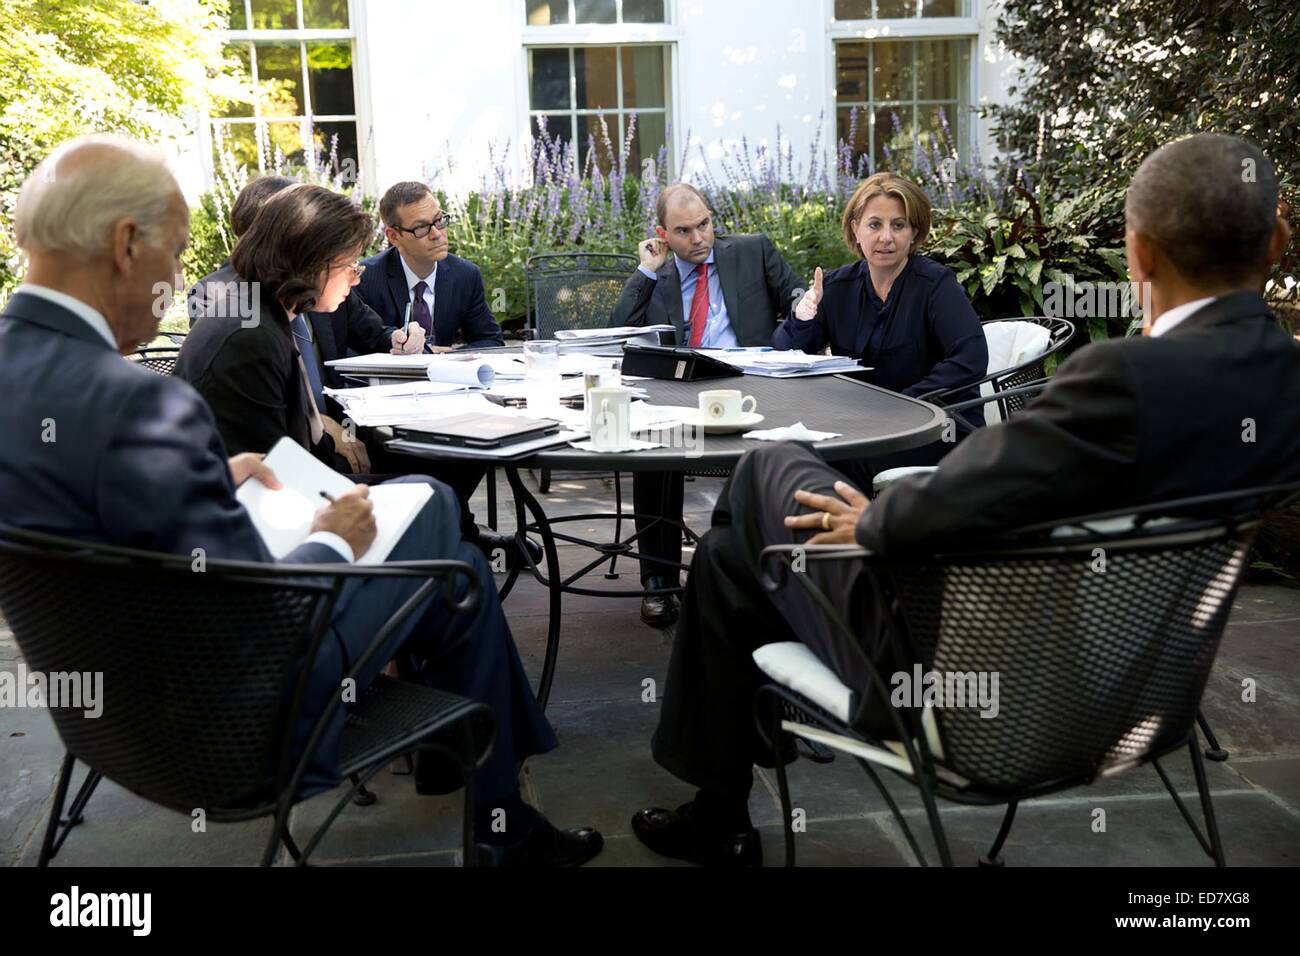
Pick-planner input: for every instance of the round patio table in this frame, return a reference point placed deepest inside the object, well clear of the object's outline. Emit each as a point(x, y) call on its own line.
point(871, 421)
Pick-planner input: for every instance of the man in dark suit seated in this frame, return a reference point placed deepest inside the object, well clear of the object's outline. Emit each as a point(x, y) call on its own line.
point(237, 388)
point(1123, 423)
point(101, 449)
point(444, 293)
point(748, 289)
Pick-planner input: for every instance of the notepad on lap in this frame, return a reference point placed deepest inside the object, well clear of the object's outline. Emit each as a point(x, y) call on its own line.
point(283, 518)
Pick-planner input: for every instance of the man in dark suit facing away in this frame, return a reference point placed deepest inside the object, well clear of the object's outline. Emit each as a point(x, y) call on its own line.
point(135, 460)
point(748, 288)
point(444, 293)
point(1123, 423)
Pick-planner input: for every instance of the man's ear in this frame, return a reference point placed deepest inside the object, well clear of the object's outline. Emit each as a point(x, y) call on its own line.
point(1141, 256)
point(661, 232)
point(123, 241)
point(1277, 242)
point(391, 235)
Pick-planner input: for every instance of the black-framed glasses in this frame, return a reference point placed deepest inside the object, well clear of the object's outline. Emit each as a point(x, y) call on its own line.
point(420, 230)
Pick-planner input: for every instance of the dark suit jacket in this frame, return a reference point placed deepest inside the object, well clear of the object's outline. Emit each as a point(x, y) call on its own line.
point(927, 337)
point(247, 371)
point(758, 286)
point(459, 307)
point(1123, 422)
point(137, 460)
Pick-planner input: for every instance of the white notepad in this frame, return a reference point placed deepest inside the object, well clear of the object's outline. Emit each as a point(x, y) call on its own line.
point(283, 518)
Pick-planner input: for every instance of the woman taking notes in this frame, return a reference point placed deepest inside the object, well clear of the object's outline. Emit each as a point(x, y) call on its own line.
point(905, 316)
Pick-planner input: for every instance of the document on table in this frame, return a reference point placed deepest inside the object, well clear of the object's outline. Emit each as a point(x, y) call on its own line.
point(472, 370)
point(283, 517)
point(619, 332)
point(772, 363)
point(397, 409)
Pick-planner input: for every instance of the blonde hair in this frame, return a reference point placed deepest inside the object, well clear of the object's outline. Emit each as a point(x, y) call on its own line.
point(916, 206)
point(75, 195)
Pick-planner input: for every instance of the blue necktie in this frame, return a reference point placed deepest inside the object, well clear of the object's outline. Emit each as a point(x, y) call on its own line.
point(308, 352)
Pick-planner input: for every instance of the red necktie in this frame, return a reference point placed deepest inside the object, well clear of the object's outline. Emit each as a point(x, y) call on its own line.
point(700, 306)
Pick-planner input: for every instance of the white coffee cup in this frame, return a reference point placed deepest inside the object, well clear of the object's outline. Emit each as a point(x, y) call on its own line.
point(609, 415)
point(725, 406)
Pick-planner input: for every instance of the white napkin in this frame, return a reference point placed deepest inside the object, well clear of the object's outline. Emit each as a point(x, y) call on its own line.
point(635, 444)
point(796, 432)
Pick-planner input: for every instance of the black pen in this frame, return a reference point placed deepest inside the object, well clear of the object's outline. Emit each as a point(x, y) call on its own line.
point(328, 497)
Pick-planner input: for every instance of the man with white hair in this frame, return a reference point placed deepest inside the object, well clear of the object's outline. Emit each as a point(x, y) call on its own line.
point(98, 448)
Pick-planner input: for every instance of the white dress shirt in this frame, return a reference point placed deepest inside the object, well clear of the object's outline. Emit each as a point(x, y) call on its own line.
point(1176, 315)
point(92, 317)
point(87, 313)
point(412, 280)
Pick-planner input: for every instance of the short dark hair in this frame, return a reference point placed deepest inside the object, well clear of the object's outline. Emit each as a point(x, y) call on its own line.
point(1209, 202)
point(399, 195)
point(251, 198)
point(666, 196)
point(298, 233)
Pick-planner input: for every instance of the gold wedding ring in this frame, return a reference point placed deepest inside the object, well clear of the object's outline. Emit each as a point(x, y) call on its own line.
point(826, 521)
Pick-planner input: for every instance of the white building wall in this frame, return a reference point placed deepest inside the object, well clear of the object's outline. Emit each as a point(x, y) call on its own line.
point(440, 82)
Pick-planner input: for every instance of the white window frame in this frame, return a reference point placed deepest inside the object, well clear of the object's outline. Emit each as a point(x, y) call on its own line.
point(551, 36)
point(965, 28)
point(360, 117)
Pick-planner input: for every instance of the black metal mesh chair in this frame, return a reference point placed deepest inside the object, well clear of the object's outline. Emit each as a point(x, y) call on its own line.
point(203, 678)
point(1099, 670)
point(573, 290)
point(160, 358)
point(1060, 332)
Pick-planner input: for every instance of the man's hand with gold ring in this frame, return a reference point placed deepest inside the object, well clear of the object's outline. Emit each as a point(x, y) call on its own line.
point(835, 518)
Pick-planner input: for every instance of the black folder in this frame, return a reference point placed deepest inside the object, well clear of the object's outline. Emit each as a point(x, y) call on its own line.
point(677, 364)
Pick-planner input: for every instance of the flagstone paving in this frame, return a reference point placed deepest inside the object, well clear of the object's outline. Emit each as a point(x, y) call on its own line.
point(603, 771)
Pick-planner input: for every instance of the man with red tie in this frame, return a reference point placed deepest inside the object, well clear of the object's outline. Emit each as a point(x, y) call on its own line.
point(717, 293)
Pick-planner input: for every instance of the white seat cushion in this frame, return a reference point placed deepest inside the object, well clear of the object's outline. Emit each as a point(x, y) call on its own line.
point(791, 664)
point(884, 479)
point(1010, 343)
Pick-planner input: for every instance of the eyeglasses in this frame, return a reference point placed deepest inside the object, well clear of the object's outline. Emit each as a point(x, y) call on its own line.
point(357, 267)
point(420, 230)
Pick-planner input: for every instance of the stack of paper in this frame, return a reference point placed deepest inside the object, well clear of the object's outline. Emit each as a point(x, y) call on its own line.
point(609, 341)
point(402, 402)
point(458, 369)
point(775, 364)
point(283, 517)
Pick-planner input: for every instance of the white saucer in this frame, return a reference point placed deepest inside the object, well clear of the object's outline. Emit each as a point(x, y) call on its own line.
point(747, 421)
point(690, 415)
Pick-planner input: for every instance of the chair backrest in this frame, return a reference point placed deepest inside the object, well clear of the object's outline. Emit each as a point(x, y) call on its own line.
point(1101, 644)
point(1018, 351)
point(573, 290)
point(196, 669)
point(160, 359)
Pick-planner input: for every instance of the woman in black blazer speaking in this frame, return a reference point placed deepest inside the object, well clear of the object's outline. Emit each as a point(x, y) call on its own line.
point(905, 316)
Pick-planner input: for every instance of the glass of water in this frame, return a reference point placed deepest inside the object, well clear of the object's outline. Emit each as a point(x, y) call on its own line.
point(542, 376)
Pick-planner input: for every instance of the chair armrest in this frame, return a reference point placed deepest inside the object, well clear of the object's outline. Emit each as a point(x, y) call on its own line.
point(809, 552)
point(433, 572)
point(1029, 388)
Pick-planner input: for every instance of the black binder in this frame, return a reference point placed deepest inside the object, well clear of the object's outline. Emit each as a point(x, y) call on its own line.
point(677, 364)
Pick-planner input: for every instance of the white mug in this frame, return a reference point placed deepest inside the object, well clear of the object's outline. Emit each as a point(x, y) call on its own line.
point(609, 415)
point(724, 406)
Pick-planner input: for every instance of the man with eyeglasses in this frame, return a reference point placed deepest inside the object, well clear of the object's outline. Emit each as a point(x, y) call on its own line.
point(444, 293)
